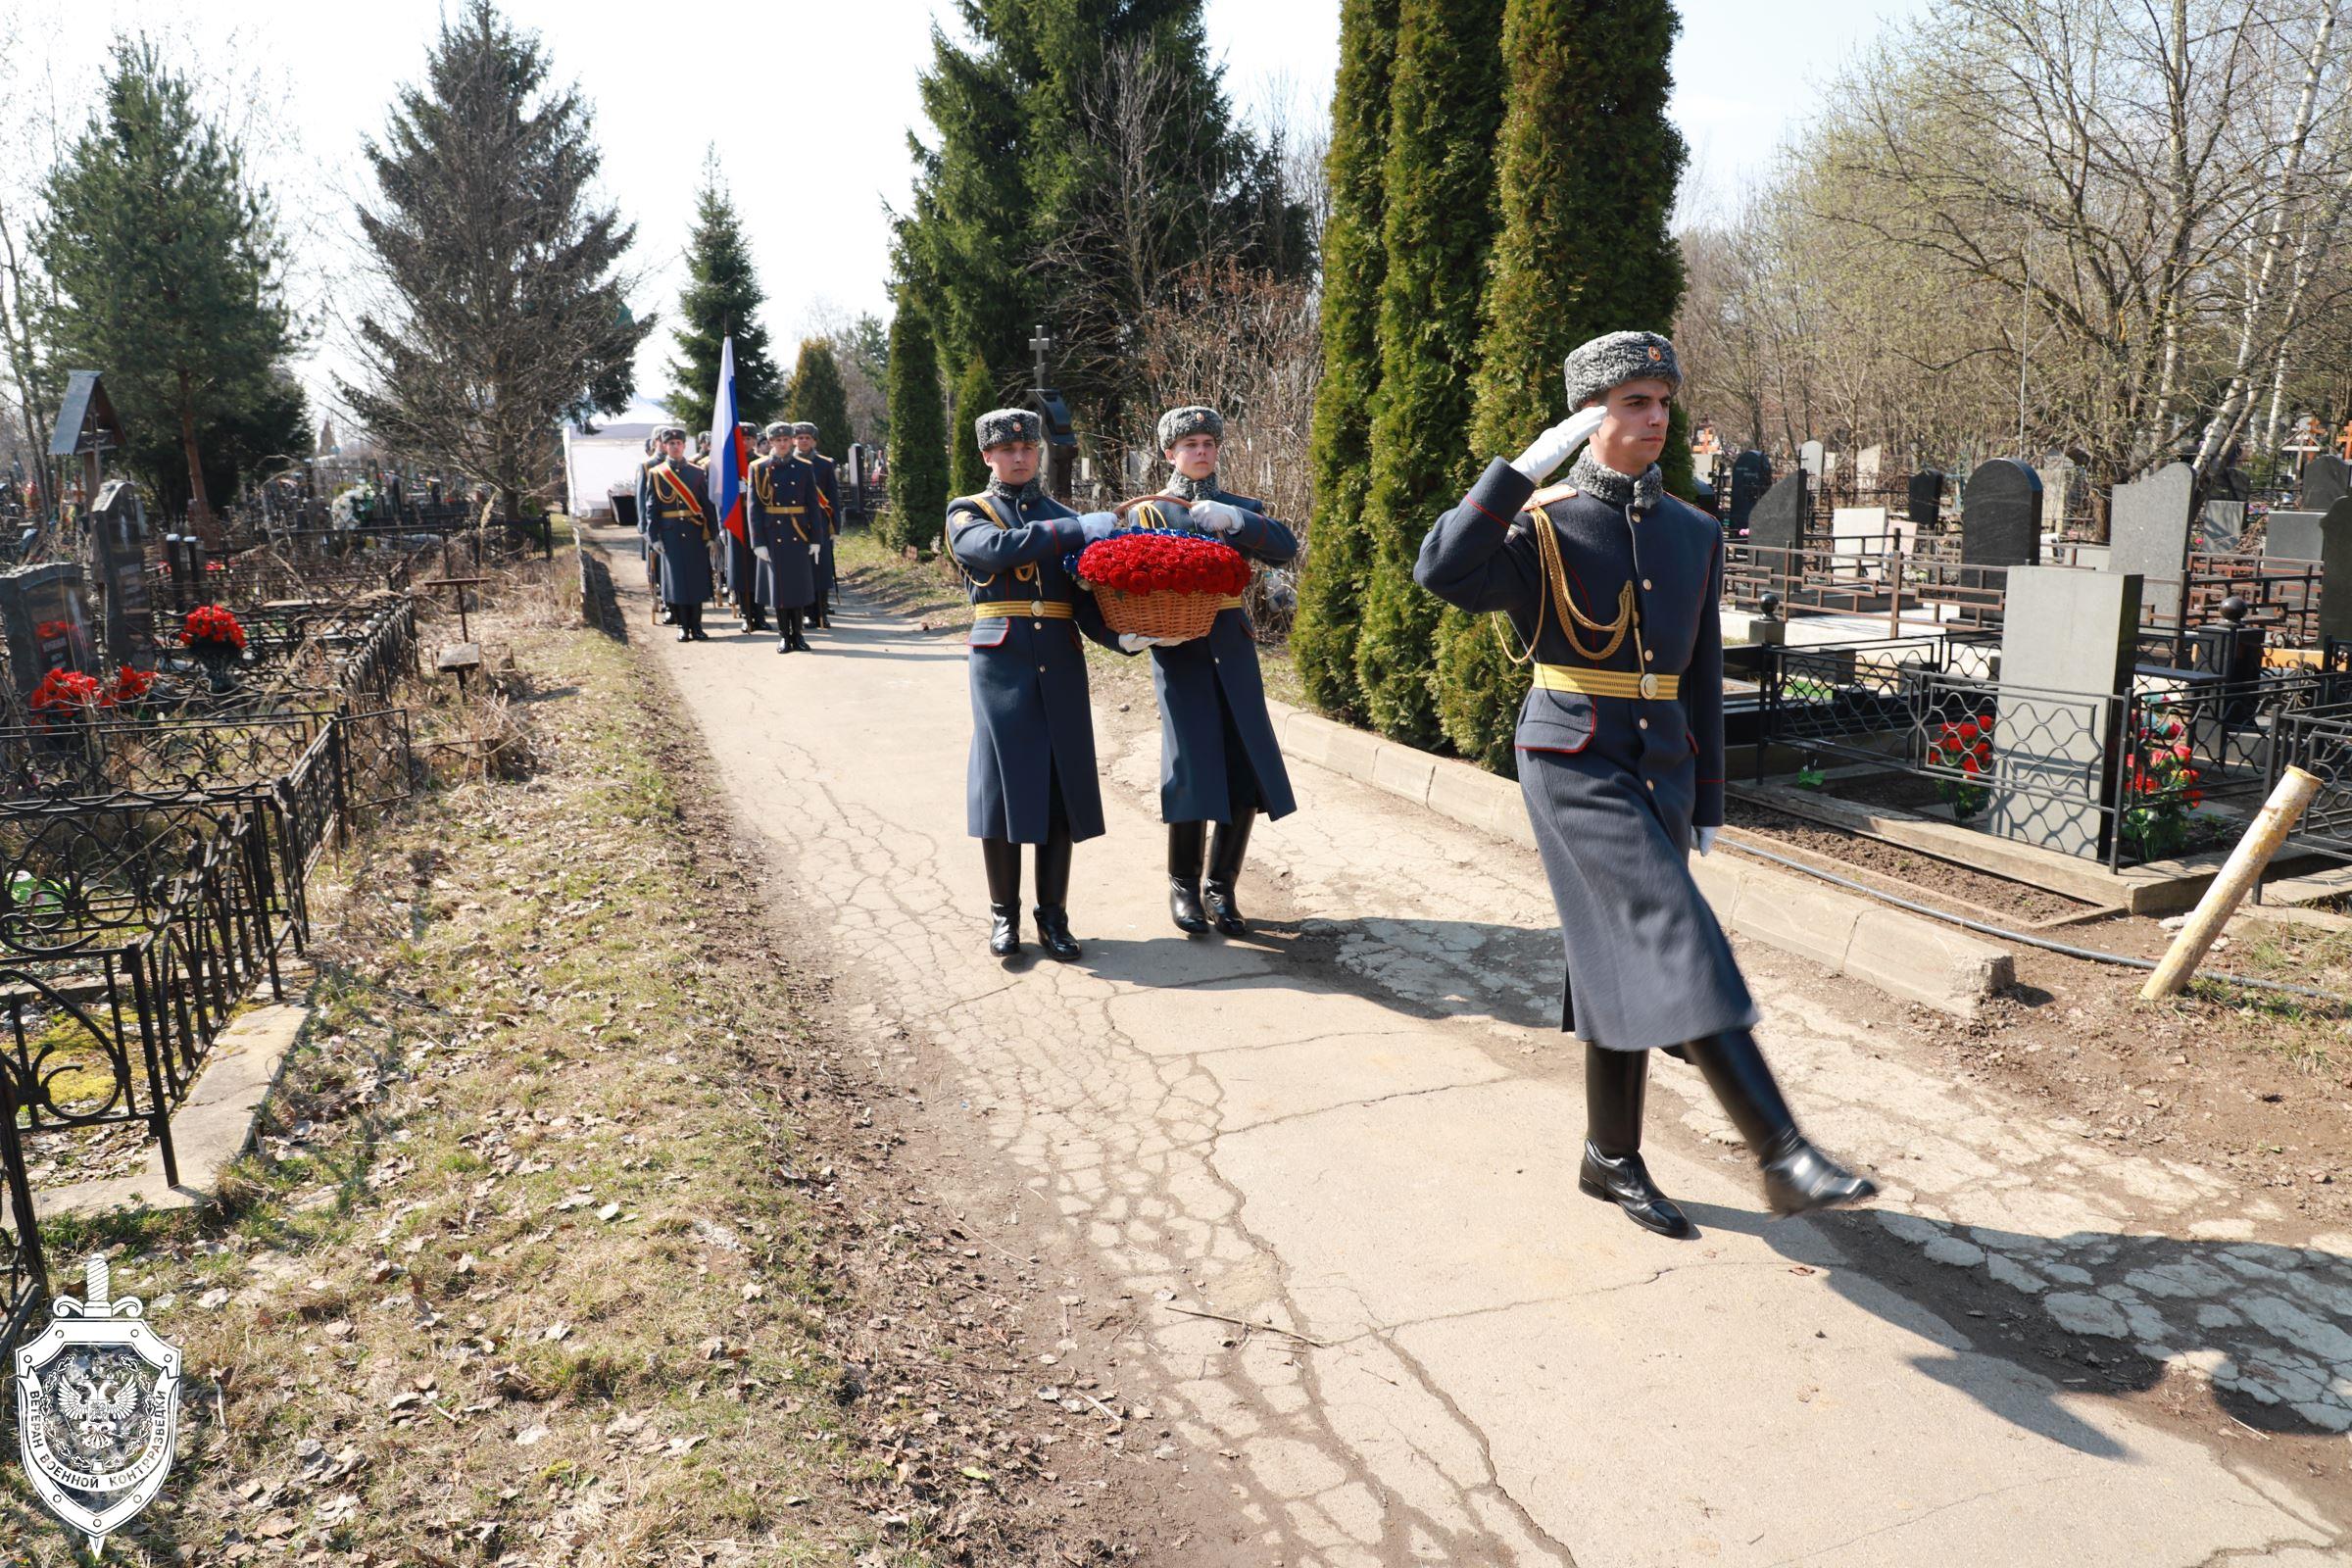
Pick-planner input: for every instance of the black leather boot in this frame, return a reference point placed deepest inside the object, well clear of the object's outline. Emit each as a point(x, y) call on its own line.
point(680, 619)
point(1226, 853)
point(1003, 860)
point(1797, 1177)
point(1616, 1083)
point(1052, 895)
point(1186, 841)
point(800, 644)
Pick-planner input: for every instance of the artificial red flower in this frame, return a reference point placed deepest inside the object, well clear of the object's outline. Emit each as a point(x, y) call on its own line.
point(1165, 563)
point(130, 685)
point(1968, 731)
point(65, 691)
point(1969, 765)
point(2182, 751)
point(212, 623)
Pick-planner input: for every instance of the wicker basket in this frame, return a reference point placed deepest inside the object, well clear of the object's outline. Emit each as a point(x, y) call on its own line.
point(1181, 616)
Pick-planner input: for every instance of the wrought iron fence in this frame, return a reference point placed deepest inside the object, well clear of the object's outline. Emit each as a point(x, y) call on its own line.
point(1877, 576)
point(2317, 740)
point(22, 1265)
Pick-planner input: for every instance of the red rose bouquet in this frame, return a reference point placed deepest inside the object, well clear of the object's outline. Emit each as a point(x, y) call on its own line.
point(65, 694)
point(210, 623)
point(1161, 583)
point(130, 687)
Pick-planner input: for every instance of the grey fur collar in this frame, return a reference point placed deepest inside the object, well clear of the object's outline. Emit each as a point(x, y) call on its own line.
point(1642, 492)
point(1192, 489)
point(1028, 495)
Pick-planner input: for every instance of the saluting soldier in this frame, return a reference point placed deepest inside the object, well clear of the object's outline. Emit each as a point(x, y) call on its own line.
point(677, 510)
point(828, 500)
point(1031, 773)
point(1218, 758)
point(1611, 587)
point(784, 521)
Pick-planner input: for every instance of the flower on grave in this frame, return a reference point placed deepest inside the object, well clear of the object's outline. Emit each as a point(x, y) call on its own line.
point(214, 625)
point(65, 692)
point(129, 688)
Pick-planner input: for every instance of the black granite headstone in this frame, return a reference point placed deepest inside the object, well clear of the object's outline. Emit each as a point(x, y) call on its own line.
point(47, 622)
point(1925, 500)
point(2335, 570)
point(2327, 479)
point(2232, 484)
point(118, 533)
point(1778, 521)
point(2000, 515)
point(1751, 476)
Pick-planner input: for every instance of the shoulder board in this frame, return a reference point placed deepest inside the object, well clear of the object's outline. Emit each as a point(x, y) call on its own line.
point(1546, 497)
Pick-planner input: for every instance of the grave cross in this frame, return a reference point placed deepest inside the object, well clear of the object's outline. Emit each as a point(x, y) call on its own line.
point(1040, 344)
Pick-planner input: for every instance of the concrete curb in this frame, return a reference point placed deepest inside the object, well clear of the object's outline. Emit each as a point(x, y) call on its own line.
point(1907, 956)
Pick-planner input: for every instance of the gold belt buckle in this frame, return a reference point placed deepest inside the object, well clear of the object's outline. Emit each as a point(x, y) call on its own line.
point(1037, 606)
point(1649, 686)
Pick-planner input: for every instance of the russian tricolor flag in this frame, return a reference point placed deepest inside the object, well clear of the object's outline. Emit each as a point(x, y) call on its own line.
point(731, 453)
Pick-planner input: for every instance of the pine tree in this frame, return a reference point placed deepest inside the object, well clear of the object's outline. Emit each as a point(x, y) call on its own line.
point(918, 432)
point(1338, 554)
point(975, 395)
point(501, 312)
point(166, 272)
point(1585, 134)
point(1445, 103)
point(816, 395)
point(722, 297)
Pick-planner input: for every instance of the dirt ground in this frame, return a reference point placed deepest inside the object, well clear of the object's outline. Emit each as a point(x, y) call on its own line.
point(579, 1231)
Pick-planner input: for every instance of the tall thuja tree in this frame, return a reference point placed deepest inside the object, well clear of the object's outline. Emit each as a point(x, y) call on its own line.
point(722, 297)
point(496, 309)
point(1445, 104)
point(1585, 178)
point(166, 274)
point(816, 394)
point(1339, 553)
point(918, 430)
point(975, 395)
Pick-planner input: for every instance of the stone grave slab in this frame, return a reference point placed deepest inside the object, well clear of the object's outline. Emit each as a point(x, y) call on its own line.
point(1751, 476)
point(1777, 520)
point(2292, 536)
point(119, 537)
point(2335, 570)
point(1867, 463)
point(2067, 640)
point(1924, 498)
point(2220, 526)
point(1808, 458)
point(2000, 515)
point(2148, 534)
point(45, 615)
point(2327, 479)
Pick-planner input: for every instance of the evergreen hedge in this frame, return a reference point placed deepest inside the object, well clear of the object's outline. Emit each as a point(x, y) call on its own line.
point(918, 434)
point(1338, 554)
point(975, 395)
point(1446, 105)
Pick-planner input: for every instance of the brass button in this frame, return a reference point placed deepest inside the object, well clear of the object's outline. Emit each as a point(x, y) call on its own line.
point(1646, 585)
point(1037, 606)
point(1653, 783)
point(1648, 654)
point(1041, 670)
point(1642, 723)
point(1037, 625)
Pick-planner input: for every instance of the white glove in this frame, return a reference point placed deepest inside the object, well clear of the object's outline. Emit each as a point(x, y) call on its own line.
point(1135, 642)
point(1559, 443)
point(816, 552)
point(1706, 839)
point(1215, 517)
point(760, 550)
point(1096, 525)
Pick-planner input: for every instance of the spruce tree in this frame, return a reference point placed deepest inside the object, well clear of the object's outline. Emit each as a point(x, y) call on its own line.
point(1338, 554)
point(721, 297)
point(500, 312)
point(165, 272)
point(918, 432)
point(1445, 103)
point(816, 395)
point(975, 395)
point(1585, 178)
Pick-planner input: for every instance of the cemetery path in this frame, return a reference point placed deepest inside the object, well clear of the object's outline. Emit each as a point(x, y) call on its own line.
point(1358, 1129)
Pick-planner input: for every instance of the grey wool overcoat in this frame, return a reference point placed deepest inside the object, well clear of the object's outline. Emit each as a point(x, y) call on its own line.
point(1613, 784)
point(680, 531)
point(1033, 730)
point(784, 521)
point(1211, 684)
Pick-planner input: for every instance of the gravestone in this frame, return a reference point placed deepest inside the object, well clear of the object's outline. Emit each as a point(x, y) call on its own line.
point(2148, 526)
point(2220, 526)
point(2292, 536)
point(1751, 476)
point(1808, 458)
point(2232, 484)
point(1778, 521)
point(1866, 468)
point(46, 619)
point(2336, 571)
point(1924, 498)
point(2057, 491)
point(118, 535)
point(2068, 643)
point(2327, 479)
point(2000, 515)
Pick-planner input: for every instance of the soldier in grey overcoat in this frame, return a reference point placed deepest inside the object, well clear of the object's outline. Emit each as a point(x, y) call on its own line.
point(1218, 758)
point(1610, 585)
point(666, 443)
point(677, 507)
point(783, 512)
point(827, 476)
point(1031, 777)
point(742, 563)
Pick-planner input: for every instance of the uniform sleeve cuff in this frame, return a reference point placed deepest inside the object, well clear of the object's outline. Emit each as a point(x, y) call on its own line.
point(1500, 491)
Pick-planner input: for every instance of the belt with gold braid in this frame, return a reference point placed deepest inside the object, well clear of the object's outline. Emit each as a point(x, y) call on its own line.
point(1015, 608)
point(1608, 682)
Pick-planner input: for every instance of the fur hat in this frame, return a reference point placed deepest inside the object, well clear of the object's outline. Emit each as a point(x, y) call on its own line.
point(1616, 358)
point(999, 425)
point(780, 427)
point(804, 427)
point(668, 432)
point(1192, 419)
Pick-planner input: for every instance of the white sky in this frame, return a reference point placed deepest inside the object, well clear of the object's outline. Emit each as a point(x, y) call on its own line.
point(1747, 72)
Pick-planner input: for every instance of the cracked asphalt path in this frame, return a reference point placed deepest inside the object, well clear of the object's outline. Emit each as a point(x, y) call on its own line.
point(1357, 1128)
